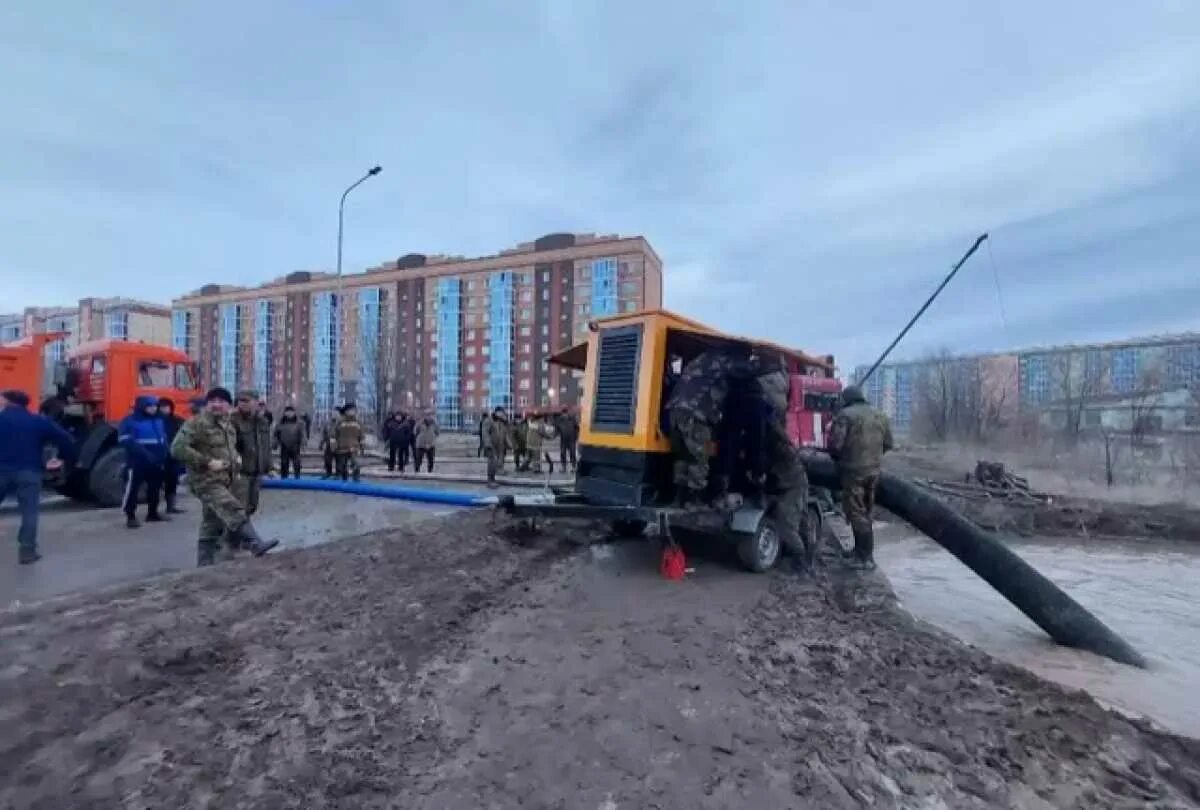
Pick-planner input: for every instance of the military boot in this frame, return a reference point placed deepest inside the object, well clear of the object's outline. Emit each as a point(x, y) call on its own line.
point(864, 550)
point(172, 509)
point(131, 522)
point(258, 546)
point(206, 553)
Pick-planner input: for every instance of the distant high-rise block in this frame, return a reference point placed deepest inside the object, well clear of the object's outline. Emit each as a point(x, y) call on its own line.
point(453, 335)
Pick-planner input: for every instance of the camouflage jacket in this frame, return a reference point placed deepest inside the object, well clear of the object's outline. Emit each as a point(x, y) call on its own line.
point(785, 468)
point(205, 438)
point(348, 436)
point(858, 438)
point(497, 436)
point(253, 442)
point(703, 386)
point(516, 435)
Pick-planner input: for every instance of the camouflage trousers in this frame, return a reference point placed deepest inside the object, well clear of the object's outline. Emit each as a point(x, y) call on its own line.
point(858, 502)
point(789, 509)
point(690, 437)
point(221, 515)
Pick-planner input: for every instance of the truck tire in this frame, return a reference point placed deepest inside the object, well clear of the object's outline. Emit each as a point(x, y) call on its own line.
point(105, 480)
point(759, 551)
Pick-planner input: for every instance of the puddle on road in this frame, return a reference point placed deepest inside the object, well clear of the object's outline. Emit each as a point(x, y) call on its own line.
point(1145, 591)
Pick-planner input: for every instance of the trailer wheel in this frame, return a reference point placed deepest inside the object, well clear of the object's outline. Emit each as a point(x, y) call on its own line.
point(105, 482)
point(759, 551)
point(628, 527)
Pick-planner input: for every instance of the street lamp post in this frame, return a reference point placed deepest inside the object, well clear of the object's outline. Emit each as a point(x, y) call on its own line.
point(341, 227)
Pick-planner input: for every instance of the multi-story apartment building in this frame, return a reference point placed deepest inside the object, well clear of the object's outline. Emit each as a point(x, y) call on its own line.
point(91, 319)
point(1095, 385)
point(451, 334)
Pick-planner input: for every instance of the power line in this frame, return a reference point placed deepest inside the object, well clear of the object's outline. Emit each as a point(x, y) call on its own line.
point(999, 294)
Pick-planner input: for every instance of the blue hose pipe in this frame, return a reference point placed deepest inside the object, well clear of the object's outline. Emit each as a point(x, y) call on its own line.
point(380, 491)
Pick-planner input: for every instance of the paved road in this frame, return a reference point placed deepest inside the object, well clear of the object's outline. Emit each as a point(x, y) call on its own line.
point(85, 548)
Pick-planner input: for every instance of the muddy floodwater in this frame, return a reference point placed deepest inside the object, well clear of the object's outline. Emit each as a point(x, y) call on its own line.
point(1147, 592)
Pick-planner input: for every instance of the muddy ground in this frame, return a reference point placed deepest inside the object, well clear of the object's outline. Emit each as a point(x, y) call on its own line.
point(469, 667)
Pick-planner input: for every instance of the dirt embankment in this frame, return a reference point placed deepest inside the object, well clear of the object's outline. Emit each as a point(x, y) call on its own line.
point(452, 666)
point(1059, 514)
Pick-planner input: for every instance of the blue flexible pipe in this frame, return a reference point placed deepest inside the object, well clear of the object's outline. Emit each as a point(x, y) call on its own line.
point(380, 491)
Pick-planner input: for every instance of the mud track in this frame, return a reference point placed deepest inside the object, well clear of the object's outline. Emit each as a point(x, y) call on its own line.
point(452, 665)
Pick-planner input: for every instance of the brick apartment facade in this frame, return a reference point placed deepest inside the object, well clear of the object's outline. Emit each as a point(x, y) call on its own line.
point(450, 334)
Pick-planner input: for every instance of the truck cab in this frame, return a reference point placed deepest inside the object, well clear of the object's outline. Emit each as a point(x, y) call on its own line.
point(94, 389)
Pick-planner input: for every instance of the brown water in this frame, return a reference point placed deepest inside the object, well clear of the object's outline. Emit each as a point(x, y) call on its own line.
point(1147, 592)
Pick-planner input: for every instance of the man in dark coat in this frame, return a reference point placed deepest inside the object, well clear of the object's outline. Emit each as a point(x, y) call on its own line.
point(172, 469)
point(289, 438)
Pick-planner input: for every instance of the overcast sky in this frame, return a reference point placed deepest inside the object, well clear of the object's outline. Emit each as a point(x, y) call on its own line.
point(807, 171)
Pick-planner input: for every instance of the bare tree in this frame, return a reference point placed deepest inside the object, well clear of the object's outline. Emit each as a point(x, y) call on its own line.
point(1074, 388)
point(1143, 405)
point(954, 401)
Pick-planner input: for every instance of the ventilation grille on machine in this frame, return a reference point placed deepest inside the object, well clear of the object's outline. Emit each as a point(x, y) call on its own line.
point(617, 379)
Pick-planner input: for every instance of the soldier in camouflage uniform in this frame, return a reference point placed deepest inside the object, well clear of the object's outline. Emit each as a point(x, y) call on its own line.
point(207, 446)
point(254, 445)
point(786, 484)
point(695, 408)
point(858, 438)
point(348, 441)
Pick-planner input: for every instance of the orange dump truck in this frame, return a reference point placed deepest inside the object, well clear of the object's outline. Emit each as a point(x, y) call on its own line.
point(93, 389)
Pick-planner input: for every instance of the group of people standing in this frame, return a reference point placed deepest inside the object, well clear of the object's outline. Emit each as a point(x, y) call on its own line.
point(740, 400)
point(526, 436)
point(407, 437)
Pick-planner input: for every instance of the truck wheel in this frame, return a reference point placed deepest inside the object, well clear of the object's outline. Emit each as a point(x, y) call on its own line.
point(628, 527)
point(759, 551)
point(105, 482)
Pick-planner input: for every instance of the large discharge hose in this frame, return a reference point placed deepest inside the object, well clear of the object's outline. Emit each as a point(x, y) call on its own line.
point(1063, 619)
point(380, 491)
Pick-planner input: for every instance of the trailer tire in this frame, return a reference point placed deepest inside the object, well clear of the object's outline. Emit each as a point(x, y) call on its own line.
point(759, 551)
point(105, 481)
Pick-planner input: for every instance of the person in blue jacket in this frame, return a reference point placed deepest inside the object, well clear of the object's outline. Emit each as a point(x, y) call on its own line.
point(144, 438)
point(23, 435)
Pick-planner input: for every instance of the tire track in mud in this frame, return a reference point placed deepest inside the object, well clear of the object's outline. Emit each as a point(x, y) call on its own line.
point(274, 683)
point(451, 665)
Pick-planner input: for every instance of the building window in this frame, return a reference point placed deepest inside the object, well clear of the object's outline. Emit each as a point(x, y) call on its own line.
point(1125, 363)
point(524, 365)
point(228, 345)
point(500, 339)
point(604, 287)
point(629, 306)
point(545, 275)
point(526, 314)
point(470, 368)
point(470, 334)
point(263, 335)
point(525, 385)
point(525, 348)
point(525, 331)
point(370, 370)
point(469, 351)
point(116, 325)
point(581, 310)
point(470, 385)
